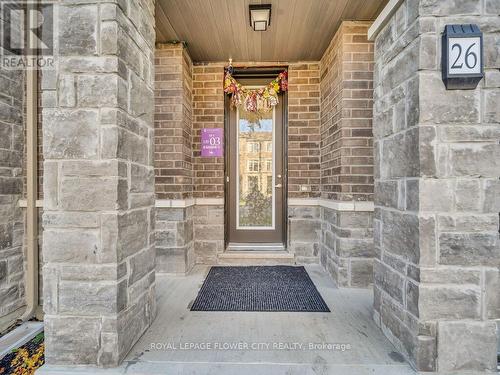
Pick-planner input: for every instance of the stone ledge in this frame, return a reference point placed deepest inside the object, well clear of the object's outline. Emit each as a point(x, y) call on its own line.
point(182, 203)
point(23, 203)
point(335, 205)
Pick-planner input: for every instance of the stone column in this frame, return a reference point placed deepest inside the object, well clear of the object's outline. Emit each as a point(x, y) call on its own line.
point(98, 244)
point(437, 191)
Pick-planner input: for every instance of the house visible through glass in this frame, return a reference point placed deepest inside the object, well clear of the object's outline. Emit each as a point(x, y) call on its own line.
point(255, 146)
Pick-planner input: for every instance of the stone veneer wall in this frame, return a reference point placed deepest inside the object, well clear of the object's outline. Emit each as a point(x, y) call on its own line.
point(11, 190)
point(346, 243)
point(347, 246)
point(304, 232)
point(208, 223)
point(437, 191)
point(98, 242)
point(174, 239)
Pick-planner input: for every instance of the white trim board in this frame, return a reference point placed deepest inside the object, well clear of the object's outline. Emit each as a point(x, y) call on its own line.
point(334, 205)
point(23, 203)
point(183, 203)
point(383, 18)
point(19, 336)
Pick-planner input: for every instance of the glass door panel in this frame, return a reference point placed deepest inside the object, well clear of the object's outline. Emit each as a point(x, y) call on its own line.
point(255, 160)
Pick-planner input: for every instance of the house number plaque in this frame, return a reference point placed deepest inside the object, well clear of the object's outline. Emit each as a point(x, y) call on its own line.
point(212, 142)
point(462, 57)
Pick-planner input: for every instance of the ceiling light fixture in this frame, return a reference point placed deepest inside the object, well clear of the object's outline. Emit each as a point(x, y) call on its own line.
point(260, 16)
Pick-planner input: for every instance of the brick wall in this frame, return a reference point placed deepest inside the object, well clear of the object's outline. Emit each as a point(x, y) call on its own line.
point(346, 117)
point(173, 122)
point(304, 130)
point(208, 112)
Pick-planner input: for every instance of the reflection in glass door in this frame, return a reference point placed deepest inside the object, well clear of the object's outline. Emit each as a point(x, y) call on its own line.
point(255, 160)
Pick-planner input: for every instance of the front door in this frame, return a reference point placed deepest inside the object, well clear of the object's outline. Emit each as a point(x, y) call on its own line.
point(255, 178)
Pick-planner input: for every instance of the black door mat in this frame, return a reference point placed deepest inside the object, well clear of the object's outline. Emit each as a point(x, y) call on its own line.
point(259, 288)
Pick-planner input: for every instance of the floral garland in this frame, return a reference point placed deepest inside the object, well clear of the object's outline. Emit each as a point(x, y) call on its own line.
point(259, 100)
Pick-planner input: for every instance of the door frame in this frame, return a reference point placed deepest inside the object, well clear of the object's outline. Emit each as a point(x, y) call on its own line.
point(257, 74)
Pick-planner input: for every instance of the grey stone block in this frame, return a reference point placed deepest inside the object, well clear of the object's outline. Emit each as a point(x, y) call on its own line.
point(70, 340)
point(492, 7)
point(400, 233)
point(3, 271)
point(491, 196)
point(304, 230)
point(9, 294)
point(449, 302)
point(75, 245)
point(70, 134)
point(467, 346)
point(78, 30)
point(388, 280)
point(425, 353)
point(90, 194)
point(67, 91)
point(106, 90)
point(119, 143)
point(474, 160)
point(438, 105)
point(449, 7)
point(436, 195)
point(361, 273)
point(472, 249)
point(386, 193)
point(468, 195)
point(358, 248)
point(141, 264)
point(133, 233)
point(87, 298)
point(492, 295)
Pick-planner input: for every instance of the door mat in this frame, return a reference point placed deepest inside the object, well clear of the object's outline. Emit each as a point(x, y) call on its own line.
point(259, 288)
point(26, 359)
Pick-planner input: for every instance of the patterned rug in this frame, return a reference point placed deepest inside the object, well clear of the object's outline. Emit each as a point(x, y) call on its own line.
point(259, 288)
point(26, 359)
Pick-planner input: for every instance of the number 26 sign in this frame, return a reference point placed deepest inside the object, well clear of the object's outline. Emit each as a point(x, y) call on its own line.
point(462, 57)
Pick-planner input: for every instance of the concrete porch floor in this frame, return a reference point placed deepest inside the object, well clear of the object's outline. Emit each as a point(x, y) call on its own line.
point(163, 348)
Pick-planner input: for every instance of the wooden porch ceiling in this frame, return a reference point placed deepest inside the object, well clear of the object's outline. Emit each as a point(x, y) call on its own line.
point(216, 30)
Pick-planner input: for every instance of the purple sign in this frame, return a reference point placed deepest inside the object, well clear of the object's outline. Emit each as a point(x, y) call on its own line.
point(211, 142)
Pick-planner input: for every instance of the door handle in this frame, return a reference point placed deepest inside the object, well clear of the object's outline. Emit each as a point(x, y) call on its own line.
point(278, 186)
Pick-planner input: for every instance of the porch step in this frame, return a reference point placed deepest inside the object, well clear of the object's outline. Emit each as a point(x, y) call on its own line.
point(256, 258)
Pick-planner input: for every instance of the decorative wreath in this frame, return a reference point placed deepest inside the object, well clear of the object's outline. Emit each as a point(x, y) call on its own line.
point(257, 100)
